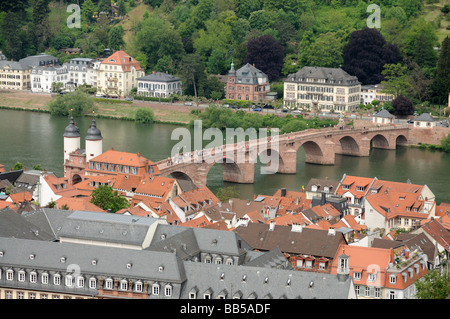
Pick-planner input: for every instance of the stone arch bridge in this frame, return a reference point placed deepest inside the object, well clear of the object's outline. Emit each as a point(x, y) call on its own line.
point(280, 152)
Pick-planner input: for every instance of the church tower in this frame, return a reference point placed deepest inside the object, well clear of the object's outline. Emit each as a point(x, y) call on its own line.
point(94, 143)
point(71, 139)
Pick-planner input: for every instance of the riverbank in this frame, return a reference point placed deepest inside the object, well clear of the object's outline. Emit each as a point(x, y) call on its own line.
point(38, 102)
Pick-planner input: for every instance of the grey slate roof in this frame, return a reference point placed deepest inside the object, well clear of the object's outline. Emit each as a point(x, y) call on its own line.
point(207, 240)
point(383, 113)
point(13, 65)
point(424, 117)
point(329, 74)
point(14, 225)
point(93, 133)
point(271, 259)
point(109, 261)
point(248, 74)
point(159, 77)
point(72, 130)
point(39, 60)
point(228, 280)
point(321, 184)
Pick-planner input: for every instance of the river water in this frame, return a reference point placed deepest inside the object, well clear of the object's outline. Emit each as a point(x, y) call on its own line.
point(37, 138)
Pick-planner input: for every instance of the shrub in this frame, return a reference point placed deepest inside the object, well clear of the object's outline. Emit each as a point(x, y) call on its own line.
point(144, 116)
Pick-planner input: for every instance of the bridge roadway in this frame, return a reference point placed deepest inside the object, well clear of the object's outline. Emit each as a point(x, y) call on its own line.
point(279, 152)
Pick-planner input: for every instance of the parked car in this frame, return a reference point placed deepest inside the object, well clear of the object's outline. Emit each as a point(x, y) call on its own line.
point(285, 110)
point(226, 105)
point(298, 112)
point(268, 106)
point(235, 107)
point(129, 99)
point(188, 103)
point(257, 109)
point(98, 95)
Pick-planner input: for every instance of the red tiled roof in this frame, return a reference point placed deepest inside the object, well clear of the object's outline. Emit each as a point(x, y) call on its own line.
point(81, 203)
point(21, 197)
point(156, 186)
point(123, 59)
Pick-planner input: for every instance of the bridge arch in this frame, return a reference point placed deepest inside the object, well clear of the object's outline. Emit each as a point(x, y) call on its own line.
point(181, 176)
point(401, 140)
point(380, 141)
point(318, 153)
point(349, 146)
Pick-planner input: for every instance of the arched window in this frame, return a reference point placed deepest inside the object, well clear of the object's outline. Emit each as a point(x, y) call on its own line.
point(168, 290)
point(155, 289)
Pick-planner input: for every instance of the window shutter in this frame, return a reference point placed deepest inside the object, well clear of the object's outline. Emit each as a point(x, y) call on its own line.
point(372, 292)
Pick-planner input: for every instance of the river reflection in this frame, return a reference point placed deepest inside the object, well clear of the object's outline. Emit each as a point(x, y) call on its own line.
point(36, 138)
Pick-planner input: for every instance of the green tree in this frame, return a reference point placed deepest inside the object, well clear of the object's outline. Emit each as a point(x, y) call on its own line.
point(144, 116)
point(38, 167)
point(106, 198)
point(17, 166)
point(226, 193)
point(396, 80)
point(122, 10)
point(445, 144)
point(331, 57)
point(87, 10)
point(39, 28)
point(441, 83)
point(116, 41)
point(433, 286)
point(78, 101)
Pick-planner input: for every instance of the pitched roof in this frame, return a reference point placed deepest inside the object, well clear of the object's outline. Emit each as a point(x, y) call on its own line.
point(384, 113)
point(353, 182)
point(438, 232)
point(321, 184)
point(122, 158)
point(158, 186)
point(81, 203)
point(328, 74)
point(123, 59)
point(316, 242)
point(159, 77)
point(424, 117)
point(21, 197)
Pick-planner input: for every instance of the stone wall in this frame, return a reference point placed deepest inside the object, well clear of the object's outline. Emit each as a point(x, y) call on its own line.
point(427, 135)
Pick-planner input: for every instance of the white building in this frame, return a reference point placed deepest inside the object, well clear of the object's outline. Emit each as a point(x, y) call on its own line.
point(158, 84)
point(383, 117)
point(424, 120)
point(369, 93)
point(42, 78)
point(82, 71)
point(322, 90)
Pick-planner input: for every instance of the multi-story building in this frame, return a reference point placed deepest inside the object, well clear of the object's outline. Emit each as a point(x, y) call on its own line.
point(118, 74)
point(43, 78)
point(247, 84)
point(109, 256)
point(322, 90)
point(14, 76)
point(82, 71)
point(159, 84)
point(369, 93)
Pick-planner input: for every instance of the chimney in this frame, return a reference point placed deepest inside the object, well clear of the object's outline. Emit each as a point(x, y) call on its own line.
point(297, 228)
point(283, 192)
point(331, 232)
point(272, 225)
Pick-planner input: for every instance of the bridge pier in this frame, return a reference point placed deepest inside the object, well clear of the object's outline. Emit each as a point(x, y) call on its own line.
point(288, 162)
point(326, 157)
point(244, 175)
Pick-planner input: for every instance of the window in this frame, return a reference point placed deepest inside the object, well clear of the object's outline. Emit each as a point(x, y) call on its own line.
point(367, 291)
point(44, 278)
point(192, 295)
point(138, 286)
point(168, 290)
point(92, 283)
point(377, 292)
point(357, 290)
point(69, 280)
point(21, 276)
point(372, 277)
point(155, 289)
point(308, 264)
point(321, 265)
point(357, 276)
point(80, 282)
point(109, 283)
point(9, 274)
point(393, 279)
point(123, 285)
point(33, 277)
point(57, 279)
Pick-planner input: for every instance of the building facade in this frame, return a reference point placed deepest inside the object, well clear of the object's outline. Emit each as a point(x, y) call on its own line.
point(322, 90)
point(43, 77)
point(82, 71)
point(14, 76)
point(369, 93)
point(118, 74)
point(158, 84)
point(247, 84)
